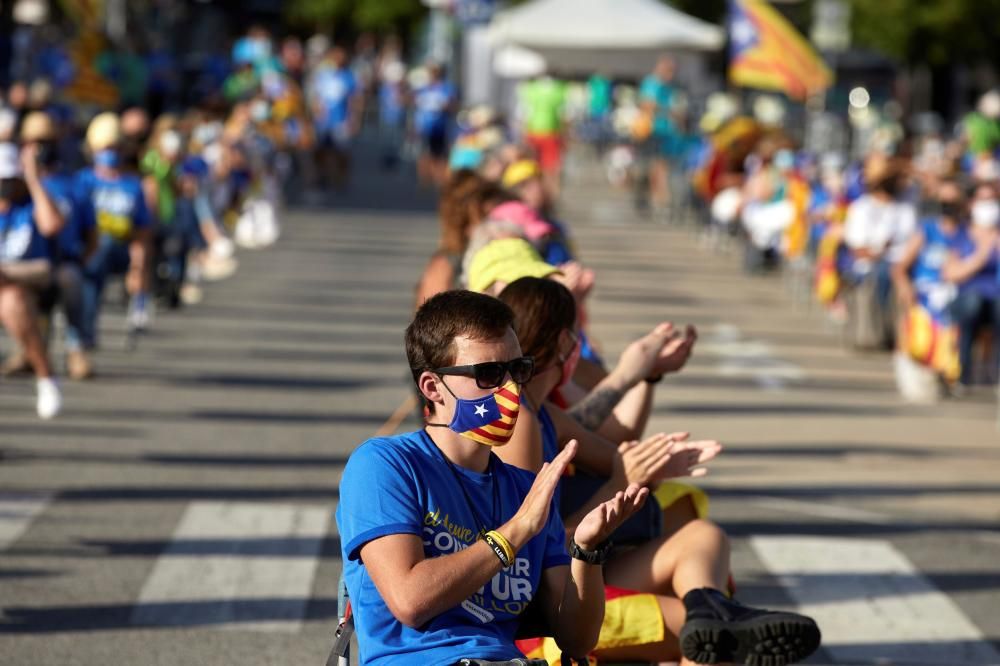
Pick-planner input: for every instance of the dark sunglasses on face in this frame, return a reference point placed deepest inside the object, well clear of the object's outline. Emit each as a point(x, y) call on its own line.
point(491, 374)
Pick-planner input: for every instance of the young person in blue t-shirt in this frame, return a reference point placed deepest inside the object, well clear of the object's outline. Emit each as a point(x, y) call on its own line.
point(112, 200)
point(433, 105)
point(28, 217)
point(444, 546)
point(69, 247)
point(336, 104)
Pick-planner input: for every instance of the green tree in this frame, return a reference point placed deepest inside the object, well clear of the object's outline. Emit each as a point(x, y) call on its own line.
point(935, 32)
point(375, 15)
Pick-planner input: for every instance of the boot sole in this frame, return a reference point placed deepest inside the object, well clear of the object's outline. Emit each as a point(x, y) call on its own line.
point(774, 640)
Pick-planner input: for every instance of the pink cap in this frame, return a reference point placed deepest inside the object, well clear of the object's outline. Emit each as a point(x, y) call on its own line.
point(523, 216)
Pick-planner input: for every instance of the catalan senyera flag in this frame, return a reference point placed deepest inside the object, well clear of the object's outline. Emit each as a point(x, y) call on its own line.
point(491, 421)
point(767, 52)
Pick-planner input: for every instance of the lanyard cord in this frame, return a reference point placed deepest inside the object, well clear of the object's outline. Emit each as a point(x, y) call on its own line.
point(465, 493)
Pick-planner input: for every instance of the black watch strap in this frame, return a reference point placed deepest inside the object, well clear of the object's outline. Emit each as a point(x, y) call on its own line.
point(598, 556)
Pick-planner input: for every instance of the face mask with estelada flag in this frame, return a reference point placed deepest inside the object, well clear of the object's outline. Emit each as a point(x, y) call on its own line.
point(489, 420)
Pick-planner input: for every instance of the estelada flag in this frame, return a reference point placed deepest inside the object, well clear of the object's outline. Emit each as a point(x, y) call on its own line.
point(491, 420)
point(768, 53)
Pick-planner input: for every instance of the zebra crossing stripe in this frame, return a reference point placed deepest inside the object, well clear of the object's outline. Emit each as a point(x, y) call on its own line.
point(241, 565)
point(871, 602)
point(17, 512)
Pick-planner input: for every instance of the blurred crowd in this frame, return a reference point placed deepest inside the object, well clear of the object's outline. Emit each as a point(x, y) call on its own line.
point(898, 240)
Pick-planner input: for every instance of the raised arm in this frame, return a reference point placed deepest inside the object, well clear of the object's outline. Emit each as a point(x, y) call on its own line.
point(417, 589)
point(49, 219)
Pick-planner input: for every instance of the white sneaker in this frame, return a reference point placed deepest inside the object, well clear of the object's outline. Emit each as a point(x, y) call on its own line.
point(138, 319)
point(49, 398)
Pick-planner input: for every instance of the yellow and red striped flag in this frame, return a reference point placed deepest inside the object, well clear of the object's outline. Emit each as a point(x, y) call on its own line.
point(767, 52)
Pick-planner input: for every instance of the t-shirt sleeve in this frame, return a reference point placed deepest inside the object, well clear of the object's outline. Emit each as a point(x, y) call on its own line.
point(555, 541)
point(378, 497)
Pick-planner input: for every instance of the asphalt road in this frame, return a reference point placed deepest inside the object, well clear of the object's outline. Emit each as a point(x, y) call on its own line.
point(180, 510)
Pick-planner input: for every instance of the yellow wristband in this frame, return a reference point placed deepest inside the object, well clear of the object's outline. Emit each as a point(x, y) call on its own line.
point(506, 544)
point(501, 546)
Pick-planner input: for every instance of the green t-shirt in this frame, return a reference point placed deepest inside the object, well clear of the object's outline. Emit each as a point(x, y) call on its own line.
point(983, 133)
point(543, 100)
point(160, 169)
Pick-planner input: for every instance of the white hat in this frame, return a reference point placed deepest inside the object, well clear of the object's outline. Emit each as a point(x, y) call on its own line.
point(10, 165)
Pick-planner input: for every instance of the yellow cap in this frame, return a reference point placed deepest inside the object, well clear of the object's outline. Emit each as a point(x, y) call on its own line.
point(104, 131)
point(506, 260)
point(520, 171)
point(38, 126)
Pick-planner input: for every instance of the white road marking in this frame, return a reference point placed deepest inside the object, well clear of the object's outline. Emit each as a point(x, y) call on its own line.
point(739, 357)
point(824, 510)
point(247, 566)
point(872, 604)
point(17, 512)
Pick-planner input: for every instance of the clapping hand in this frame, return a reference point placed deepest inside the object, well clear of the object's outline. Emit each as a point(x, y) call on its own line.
point(605, 518)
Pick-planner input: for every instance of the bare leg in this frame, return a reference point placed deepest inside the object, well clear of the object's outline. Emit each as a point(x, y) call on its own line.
point(17, 314)
point(659, 173)
point(695, 556)
point(678, 514)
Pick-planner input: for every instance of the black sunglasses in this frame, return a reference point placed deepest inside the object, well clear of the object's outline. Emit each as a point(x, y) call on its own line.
point(492, 373)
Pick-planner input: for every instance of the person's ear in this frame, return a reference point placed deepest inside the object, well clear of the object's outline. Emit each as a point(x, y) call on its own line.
point(430, 387)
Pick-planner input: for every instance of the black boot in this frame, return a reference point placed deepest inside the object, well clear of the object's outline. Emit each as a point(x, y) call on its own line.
point(719, 630)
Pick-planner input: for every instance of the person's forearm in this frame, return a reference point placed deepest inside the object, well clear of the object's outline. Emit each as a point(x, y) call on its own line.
point(630, 416)
point(438, 584)
point(599, 404)
point(47, 216)
point(582, 610)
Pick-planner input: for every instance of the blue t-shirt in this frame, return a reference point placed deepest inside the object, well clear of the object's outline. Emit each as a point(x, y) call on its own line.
point(70, 243)
point(652, 89)
point(334, 89)
point(933, 293)
point(431, 104)
point(115, 206)
point(390, 104)
point(984, 282)
point(20, 239)
point(404, 485)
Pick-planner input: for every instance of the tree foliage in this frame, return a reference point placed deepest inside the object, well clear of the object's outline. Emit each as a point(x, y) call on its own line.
point(377, 15)
point(936, 32)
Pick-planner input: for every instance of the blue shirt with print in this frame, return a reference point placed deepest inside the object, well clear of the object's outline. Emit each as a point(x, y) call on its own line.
point(431, 104)
point(116, 206)
point(70, 244)
point(20, 239)
point(333, 88)
point(404, 485)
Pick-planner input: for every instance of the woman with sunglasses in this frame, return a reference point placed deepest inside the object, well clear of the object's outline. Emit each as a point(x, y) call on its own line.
point(666, 600)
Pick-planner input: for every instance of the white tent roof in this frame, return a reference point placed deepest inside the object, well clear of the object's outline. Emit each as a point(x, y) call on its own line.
point(604, 24)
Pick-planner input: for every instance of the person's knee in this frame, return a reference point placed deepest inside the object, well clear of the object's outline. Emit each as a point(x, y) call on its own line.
point(14, 310)
point(707, 534)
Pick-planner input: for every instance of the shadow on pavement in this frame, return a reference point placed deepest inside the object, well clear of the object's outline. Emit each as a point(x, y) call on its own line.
point(55, 619)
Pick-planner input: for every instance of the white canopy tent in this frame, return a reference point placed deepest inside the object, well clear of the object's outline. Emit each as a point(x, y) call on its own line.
point(617, 37)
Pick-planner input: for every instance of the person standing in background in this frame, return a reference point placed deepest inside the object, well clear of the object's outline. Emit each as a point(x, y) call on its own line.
point(544, 100)
point(433, 105)
point(656, 98)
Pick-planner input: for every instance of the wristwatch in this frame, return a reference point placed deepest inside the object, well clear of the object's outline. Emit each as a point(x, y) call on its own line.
point(598, 556)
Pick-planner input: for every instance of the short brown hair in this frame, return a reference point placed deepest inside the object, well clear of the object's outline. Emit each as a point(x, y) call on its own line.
point(430, 337)
point(542, 310)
